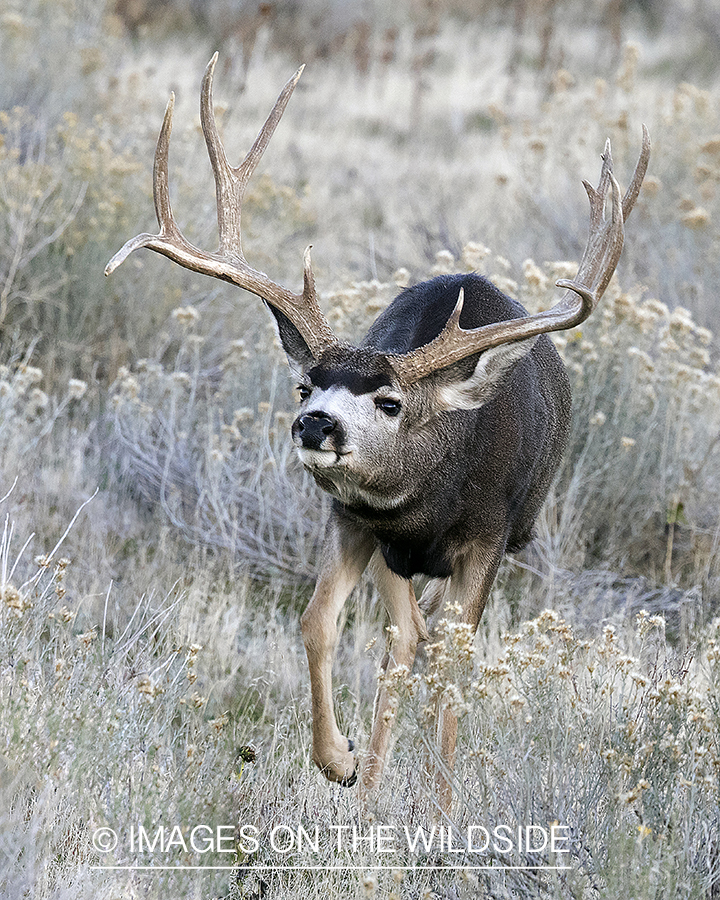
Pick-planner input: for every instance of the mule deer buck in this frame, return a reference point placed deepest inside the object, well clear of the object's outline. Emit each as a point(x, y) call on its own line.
point(437, 437)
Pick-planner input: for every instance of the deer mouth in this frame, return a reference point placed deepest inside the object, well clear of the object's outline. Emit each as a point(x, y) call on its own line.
point(323, 459)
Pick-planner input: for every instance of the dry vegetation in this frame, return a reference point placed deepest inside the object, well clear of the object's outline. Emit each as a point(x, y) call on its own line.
point(158, 537)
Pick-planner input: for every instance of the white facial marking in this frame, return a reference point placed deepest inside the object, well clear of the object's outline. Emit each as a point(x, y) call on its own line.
point(318, 459)
point(336, 401)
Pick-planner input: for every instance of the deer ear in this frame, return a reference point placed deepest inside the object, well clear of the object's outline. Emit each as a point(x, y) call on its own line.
point(490, 373)
point(294, 345)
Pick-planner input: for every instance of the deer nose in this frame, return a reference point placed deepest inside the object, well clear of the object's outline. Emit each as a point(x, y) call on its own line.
point(312, 428)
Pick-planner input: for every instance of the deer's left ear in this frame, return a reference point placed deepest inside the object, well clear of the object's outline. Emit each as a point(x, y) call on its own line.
point(490, 372)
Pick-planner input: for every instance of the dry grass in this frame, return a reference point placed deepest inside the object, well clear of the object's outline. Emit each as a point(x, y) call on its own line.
point(151, 668)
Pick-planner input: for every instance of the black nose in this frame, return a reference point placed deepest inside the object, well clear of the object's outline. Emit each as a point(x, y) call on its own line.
point(313, 428)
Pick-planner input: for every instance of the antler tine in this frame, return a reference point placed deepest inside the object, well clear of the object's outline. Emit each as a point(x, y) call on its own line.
point(604, 246)
point(162, 242)
point(229, 263)
point(596, 196)
point(161, 176)
point(231, 181)
point(631, 194)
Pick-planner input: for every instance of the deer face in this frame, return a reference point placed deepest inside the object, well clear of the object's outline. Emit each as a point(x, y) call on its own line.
point(365, 436)
point(353, 416)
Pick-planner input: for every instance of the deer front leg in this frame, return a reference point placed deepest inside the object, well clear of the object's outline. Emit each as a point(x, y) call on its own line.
point(345, 556)
point(408, 628)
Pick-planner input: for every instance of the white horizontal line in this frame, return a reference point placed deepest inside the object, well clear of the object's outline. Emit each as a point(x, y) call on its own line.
point(253, 868)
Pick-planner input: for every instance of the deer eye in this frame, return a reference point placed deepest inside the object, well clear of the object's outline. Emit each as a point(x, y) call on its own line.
point(388, 406)
point(304, 390)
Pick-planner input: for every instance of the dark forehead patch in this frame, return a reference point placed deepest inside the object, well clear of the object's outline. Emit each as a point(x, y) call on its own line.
point(355, 382)
point(359, 370)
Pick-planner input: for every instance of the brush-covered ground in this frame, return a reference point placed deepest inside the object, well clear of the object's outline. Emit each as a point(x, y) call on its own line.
point(159, 539)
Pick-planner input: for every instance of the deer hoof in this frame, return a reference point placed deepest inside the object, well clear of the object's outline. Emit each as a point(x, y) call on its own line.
point(339, 767)
point(350, 780)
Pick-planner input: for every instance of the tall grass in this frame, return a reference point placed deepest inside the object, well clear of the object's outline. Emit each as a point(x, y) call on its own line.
point(159, 538)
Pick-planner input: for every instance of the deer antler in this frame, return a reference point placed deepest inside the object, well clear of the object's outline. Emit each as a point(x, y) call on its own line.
point(598, 263)
point(229, 263)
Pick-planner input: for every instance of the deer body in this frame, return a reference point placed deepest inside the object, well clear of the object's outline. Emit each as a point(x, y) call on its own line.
point(438, 436)
point(436, 478)
point(441, 480)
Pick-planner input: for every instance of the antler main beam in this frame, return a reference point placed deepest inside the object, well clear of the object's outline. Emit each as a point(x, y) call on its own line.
point(604, 246)
point(229, 263)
